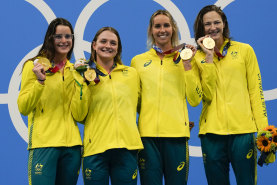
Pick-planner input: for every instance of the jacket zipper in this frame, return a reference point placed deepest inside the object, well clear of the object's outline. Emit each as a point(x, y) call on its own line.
point(159, 99)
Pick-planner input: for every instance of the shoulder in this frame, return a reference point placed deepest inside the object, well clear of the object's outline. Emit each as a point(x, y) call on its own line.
point(142, 55)
point(128, 68)
point(29, 64)
point(241, 45)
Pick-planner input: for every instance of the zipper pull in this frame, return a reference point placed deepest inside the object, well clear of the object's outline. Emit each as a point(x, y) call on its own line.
point(110, 76)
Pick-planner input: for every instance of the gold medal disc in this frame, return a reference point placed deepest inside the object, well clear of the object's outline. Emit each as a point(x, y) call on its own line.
point(90, 74)
point(209, 43)
point(44, 62)
point(186, 54)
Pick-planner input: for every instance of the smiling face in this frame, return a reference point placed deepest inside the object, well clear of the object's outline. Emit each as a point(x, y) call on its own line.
point(62, 40)
point(213, 26)
point(106, 46)
point(162, 31)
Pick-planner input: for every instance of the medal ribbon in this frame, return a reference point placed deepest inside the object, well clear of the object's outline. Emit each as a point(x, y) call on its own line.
point(176, 48)
point(57, 67)
point(224, 51)
point(97, 71)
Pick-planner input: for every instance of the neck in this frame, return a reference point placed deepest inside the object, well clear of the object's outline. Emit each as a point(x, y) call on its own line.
point(219, 43)
point(59, 58)
point(165, 47)
point(106, 64)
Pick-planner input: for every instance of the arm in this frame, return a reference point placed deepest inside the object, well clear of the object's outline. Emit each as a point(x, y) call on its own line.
point(255, 89)
point(139, 85)
point(31, 89)
point(208, 79)
point(81, 98)
point(193, 87)
point(208, 74)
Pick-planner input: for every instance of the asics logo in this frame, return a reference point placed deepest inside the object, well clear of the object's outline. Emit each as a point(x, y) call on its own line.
point(181, 166)
point(147, 63)
point(250, 153)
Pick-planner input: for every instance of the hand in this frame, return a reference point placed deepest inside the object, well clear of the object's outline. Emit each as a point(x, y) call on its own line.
point(186, 63)
point(191, 125)
point(76, 65)
point(39, 72)
point(209, 52)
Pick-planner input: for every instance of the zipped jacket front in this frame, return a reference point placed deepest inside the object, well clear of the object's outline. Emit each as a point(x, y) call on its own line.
point(164, 88)
point(110, 115)
point(50, 122)
point(238, 104)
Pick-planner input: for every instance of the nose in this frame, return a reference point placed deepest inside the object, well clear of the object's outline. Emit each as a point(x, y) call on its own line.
point(108, 45)
point(162, 29)
point(63, 39)
point(213, 26)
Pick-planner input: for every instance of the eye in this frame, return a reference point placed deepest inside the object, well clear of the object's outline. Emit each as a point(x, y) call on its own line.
point(58, 36)
point(207, 24)
point(167, 25)
point(113, 43)
point(217, 22)
point(103, 41)
point(68, 36)
point(157, 26)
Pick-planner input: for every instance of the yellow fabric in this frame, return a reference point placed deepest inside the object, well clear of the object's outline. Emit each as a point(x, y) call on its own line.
point(165, 87)
point(50, 123)
point(270, 158)
point(111, 112)
point(237, 104)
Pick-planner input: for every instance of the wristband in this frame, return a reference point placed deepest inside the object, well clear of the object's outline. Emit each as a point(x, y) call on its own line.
point(41, 80)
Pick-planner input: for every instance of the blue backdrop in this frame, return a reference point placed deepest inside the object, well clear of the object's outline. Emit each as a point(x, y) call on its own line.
point(24, 23)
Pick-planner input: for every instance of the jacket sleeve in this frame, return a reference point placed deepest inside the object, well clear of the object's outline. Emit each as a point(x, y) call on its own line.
point(208, 78)
point(31, 90)
point(255, 89)
point(81, 98)
point(133, 64)
point(193, 87)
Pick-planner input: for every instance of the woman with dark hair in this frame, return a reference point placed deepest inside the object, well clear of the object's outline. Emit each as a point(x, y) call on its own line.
point(46, 92)
point(111, 137)
point(236, 109)
point(167, 83)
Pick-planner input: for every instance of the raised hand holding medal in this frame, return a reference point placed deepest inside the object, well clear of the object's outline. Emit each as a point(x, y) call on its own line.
point(44, 62)
point(85, 70)
point(41, 65)
point(186, 55)
point(207, 45)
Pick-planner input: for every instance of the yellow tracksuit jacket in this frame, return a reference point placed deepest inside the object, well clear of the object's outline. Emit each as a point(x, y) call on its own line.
point(237, 104)
point(165, 87)
point(50, 122)
point(110, 115)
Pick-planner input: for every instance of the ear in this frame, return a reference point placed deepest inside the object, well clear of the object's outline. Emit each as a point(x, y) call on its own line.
point(93, 45)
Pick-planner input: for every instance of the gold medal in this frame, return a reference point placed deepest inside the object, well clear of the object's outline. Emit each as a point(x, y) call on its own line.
point(209, 43)
point(90, 74)
point(44, 62)
point(186, 54)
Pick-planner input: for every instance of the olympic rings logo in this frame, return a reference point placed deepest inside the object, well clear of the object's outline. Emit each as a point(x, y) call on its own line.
point(80, 46)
